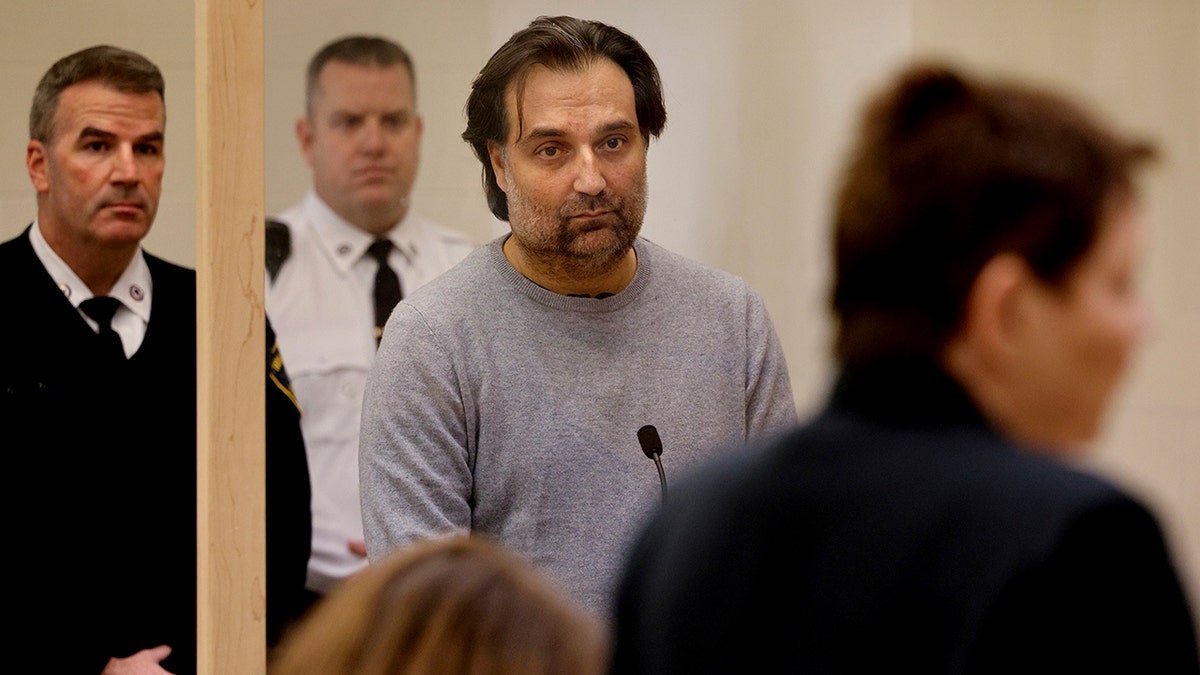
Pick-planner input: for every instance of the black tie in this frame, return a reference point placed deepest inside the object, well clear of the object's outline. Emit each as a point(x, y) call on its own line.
point(101, 310)
point(387, 285)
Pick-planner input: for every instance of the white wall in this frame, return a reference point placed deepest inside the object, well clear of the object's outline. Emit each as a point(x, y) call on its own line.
point(761, 97)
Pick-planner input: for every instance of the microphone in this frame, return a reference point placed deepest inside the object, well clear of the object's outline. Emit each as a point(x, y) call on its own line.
point(652, 446)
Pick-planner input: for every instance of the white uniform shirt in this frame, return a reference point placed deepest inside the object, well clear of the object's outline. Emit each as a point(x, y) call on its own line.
point(321, 307)
point(134, 289)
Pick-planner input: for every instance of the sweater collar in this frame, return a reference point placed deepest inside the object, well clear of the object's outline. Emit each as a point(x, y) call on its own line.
point(641, 279)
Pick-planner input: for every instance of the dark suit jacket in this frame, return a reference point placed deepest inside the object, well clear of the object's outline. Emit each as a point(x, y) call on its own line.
point(898, 533)
point(289, 501)
point(102, 480)
point(102, 475)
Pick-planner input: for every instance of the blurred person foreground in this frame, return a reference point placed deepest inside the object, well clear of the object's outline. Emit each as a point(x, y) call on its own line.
point(458, 604)
point(928, 520)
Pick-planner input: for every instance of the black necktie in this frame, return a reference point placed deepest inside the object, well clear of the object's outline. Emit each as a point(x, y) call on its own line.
point(101, 310)
point(387, 285)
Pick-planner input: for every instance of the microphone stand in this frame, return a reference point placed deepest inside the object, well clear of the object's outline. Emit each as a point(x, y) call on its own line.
point(652, 447)
point(662, 477)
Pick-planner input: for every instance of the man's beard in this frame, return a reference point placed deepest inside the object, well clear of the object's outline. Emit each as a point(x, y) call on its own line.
point(596, 245)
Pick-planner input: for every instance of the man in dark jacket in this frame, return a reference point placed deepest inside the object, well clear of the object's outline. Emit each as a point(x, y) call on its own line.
point(98, 394)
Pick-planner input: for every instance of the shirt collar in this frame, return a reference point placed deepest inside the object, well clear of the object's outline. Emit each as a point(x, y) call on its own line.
point(347, 244)
point(133, 287)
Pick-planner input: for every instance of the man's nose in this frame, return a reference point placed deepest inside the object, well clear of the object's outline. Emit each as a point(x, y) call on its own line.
point(124, 166)
point(589, 179)
point(371, 136)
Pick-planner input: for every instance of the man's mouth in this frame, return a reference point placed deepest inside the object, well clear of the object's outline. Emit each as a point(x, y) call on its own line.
point(588, 215)
point(126, 206)
point(374, 172)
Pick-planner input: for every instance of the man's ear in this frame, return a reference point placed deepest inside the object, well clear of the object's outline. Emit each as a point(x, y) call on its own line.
point(35, 161)
point(997, 312)
point(496, 154)
point(304, 136)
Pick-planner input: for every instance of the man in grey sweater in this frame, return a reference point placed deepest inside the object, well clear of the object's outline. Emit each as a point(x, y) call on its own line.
point(507, 394)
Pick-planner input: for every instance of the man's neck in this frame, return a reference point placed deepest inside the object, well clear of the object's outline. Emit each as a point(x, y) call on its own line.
point(374, 220)
point(378, 224)
point(101, 270)
point(567, 278)
point(97, 267)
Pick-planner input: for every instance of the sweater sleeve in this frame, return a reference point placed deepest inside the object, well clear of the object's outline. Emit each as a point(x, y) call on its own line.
point(414, 469)
point(770, 407)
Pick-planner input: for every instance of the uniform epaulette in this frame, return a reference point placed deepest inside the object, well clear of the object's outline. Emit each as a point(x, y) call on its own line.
point(278, 246)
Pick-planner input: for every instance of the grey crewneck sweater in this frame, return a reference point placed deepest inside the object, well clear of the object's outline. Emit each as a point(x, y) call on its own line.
point(500, 407)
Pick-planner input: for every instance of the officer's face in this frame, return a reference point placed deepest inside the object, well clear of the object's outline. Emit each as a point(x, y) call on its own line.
point(362, 140)
point(99, 177)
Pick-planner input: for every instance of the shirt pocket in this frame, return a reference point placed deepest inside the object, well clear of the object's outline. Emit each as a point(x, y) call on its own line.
point(328, 370)
point(308, 353)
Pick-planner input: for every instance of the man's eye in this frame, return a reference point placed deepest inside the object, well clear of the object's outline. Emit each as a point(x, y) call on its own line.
point(614, 143)
point(549, 151)
point(150, 150)
point(95, 146)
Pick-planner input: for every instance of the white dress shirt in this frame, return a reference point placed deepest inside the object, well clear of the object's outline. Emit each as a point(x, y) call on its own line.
point(133, 289)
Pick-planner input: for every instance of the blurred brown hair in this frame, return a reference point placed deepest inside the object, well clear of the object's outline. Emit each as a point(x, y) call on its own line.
point(460, 604)
point(948, 171)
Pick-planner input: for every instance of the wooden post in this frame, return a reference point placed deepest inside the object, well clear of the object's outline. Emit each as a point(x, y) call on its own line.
point(230, 337)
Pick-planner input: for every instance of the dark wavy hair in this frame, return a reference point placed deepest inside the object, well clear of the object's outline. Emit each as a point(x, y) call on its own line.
point(558, 43)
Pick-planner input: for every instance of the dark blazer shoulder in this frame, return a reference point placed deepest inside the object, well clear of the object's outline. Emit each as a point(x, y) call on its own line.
point(39, 305)
point(169, 271)
point(17, 257)
point(174, 291)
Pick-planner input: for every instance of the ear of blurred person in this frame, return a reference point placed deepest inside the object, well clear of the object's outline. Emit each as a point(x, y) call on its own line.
point(456, 604)
point(1042, 359)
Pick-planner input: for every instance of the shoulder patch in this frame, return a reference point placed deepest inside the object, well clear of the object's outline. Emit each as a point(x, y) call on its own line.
point(278, 246)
